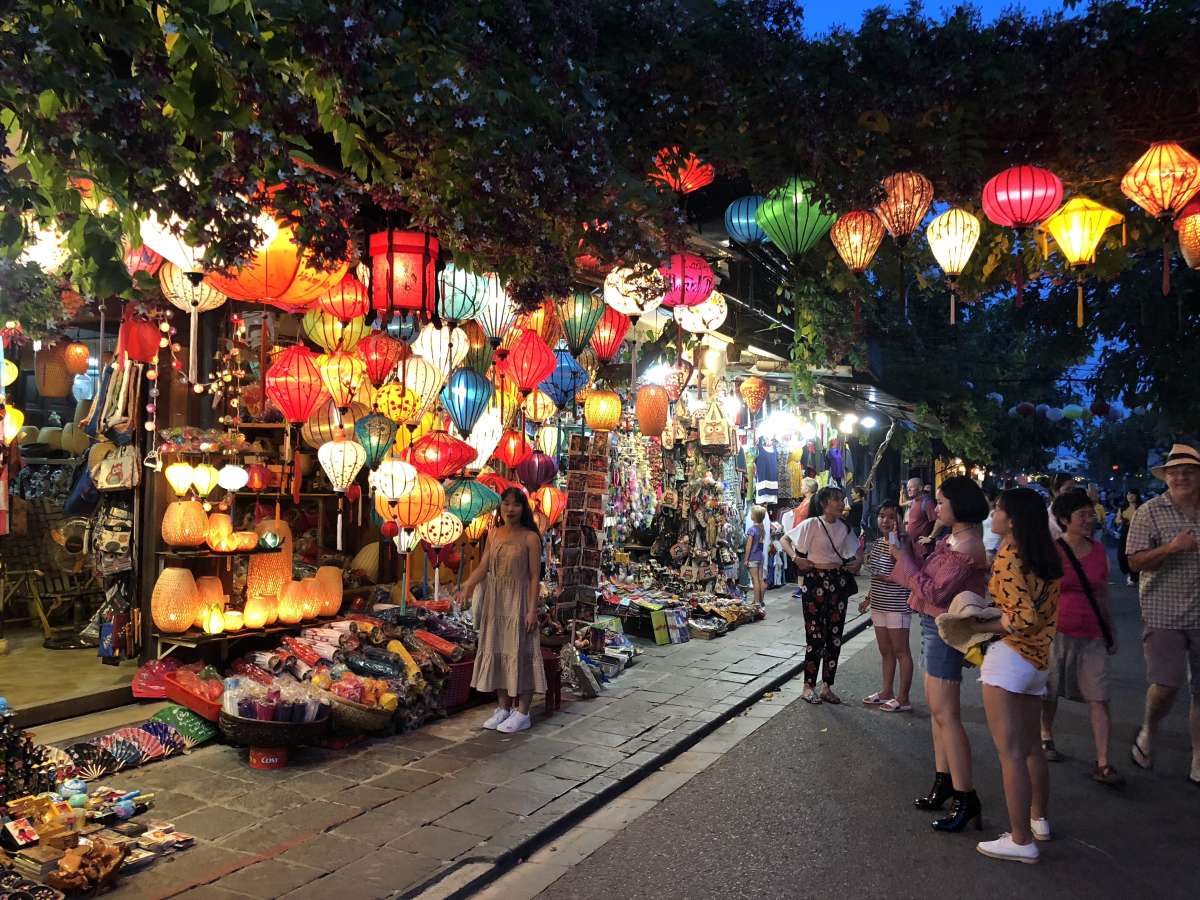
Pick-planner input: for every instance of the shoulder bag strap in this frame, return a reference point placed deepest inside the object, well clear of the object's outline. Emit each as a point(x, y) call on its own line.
point(1087, 589)
point(832, 546)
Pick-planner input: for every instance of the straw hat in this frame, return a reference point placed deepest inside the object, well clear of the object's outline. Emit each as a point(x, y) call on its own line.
point(1180, 455)
point(954, 627)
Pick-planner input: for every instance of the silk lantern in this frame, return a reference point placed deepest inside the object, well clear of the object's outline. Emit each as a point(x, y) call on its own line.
point(465, 397)
point(381, 354)
point(346, 300)
point(477, 528)
point(294, 383)
point(688, 280)
point(204, 479)
point(609, 333)
point(792, 219)
point(282, 273)
point(542, 321)
point(952, 238)
point(496, 313)
point(1188, 229)
point(676, 379)
point(1021, 197)
point(704, 317)
point(754, 393)
point(165, 239)
point(602, 410)
point(908, 196)
point(398, 403)
point(485, 436)
point(423, 379)
point(445, 346)
point(539, 406)
point(468, 498)
point(440, 531)
point(341, 373)
point(425, 501)
point(184, 524)
point(856, 237)
point(1077, 229)
point(529, 362)
point(179, 477)
point(458, 298)
point(650, 407)
point(579, 313)
point(513, 449)
point(322, 426)
point(13, 419)
point(393, 478)
point(141, 259)
point(194, 296)
point(174, 600)
point(537, 469)
point(1162, 182)
point(549, 439)
point(330, 333)
point(342, 460)
point(635, 290)
point(375, 432)
point(479, 351)
point(551, 502)
point(741, 223)
point(683, 173)
point(441, 455)
point(232, 478)
point(403, 272)
point(427, 423)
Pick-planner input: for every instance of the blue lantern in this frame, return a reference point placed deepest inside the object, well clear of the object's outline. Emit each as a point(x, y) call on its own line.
point(567, 378)
point(466, 396)
point(403, 328)
point(459, 293)
point(375, 432)
point(467, 499)
point(740, 222)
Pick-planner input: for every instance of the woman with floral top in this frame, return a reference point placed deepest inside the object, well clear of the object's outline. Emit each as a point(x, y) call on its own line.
point(1025, 585)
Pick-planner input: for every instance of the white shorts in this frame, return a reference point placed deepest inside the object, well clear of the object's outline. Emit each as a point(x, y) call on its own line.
point(891, 619)
point(1005, 668)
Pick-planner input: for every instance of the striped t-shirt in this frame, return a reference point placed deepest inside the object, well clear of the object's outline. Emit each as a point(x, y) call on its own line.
point(886, 596)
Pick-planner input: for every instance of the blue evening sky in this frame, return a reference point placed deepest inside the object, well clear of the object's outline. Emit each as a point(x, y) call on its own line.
point(821, 15)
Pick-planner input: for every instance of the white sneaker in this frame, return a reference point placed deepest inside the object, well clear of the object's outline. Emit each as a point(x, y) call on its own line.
point(1004, 848)
point(497, 717)
point(1040, 828)
point(518, 721)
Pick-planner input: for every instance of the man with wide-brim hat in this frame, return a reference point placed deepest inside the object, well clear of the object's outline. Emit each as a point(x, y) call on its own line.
point(1164, 549)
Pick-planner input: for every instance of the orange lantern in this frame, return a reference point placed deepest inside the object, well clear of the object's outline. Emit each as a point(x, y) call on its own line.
point(291, 602)
point(280, 273)
point(294, 383)
point(422, 503)
point(311, 598)
point(346, 300)
point(268, 571)
point(1188, 227)
point(76, 356)
point(909, 195)
point(529, 362)
point(209, 592)
point(538, 407)
point(51, 375)
point(856, 236)
point(754, 393)
point(257, 611)
point(514, 448)
point(602, 410)
point(329, 581)
point(681, 173)
point(1162, 182)
point(220, 528)
point(478, 527)
point(650, 405)
point(551, 502)
point(246, 540)
point(184, 524)
point(174, 601)
point(403, 271)
point(543, 322)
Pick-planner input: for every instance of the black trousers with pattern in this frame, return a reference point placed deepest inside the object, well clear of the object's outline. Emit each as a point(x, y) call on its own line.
point(824, 593)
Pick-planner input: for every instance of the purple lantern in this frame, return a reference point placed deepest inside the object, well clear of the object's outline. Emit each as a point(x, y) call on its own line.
point(536, 470)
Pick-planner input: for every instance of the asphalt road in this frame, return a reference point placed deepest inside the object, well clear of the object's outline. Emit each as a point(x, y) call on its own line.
point(817, 803)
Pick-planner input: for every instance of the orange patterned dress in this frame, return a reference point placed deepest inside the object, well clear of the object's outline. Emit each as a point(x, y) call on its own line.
point(1029, 602)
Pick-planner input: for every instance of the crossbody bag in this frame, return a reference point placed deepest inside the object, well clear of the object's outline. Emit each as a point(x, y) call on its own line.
point(1087, 590)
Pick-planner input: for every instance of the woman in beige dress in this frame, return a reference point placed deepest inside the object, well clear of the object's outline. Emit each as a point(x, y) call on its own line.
point(509, 658)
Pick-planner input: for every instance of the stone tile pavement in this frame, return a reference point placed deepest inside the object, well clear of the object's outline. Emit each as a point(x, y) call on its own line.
point(395, 815)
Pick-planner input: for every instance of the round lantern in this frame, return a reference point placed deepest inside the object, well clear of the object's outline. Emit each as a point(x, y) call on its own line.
point(294, 383)
point(479, 351)
point(381, 354)
point(704, 317)
point(290, 606)
point(529, 362)
point(179, 477)
point(459, 293)
point(549, 439)
point(909, 195)
point(341, 373)
point(477, 528)
point(346, 300)
point(393, 478)
point(423, 379)
point(465, 397)
point(468, 498)
point(218, 532)
point(51, 375)
point(204, 479)
point(688, 280)
point(740, 222)
point(165, 240)
point(398, 403)
point(495, 482)
point(322, 426)
point(650, 406)
point(441, 455)
point(281, 273)
point(602, 410)
point(952, 238)
point(496, 313)
point(635, 290)
point(542, 321)
point(550, 502)
point(232, 478)
point(184, 291)
point(754, 393)
point(330, 333)
point(76, 355)
point(1021, 197)
point(341, 459)
point(609, 333)
point(445, 346)
point(174, 601)
point(1077, 229)
point(329, 590)
point(792, 219)
point(425, 501)
point(442, 530)
point(513, 449)
point(568, 376)
point(11, 373)
point(1188, 229)
point(681, 172)
point(539, 406)
point(403, 271)
point(579, 313)
point(375, 432)
point(1162, 182)
point(537, 469)
point(184, 524)
point(856, 236)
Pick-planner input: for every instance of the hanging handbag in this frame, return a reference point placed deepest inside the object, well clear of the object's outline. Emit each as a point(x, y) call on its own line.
point(714, 428)
point(1087, 590)
point(114, 468)
point(83, 496)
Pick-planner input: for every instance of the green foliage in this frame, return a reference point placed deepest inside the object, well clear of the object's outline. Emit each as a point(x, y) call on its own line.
point(29, 296)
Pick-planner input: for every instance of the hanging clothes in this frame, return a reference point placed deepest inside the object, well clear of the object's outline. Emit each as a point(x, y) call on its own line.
point(766, 475)
point(812, 457)
point(834, 462)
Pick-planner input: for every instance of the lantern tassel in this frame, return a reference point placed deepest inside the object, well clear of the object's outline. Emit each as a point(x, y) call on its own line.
point(437, 581)
point(1166, 278)
point(339, 526)
point(952, 307)
point(1079, 302)
point(194, 346)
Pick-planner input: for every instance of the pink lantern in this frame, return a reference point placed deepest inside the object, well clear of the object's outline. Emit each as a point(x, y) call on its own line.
point(689, 279)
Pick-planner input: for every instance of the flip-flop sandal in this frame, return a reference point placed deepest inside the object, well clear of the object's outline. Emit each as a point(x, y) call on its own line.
point(895, 706)
point(1141, 758)
point(874, 699)
point(830, 698)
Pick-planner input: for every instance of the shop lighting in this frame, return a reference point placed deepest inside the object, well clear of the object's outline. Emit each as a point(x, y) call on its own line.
point(657, 374)
point(808, 431)
point(732, 407)
point(868, 422)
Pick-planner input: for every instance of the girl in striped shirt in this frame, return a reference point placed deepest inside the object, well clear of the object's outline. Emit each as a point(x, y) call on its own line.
point(890, 615)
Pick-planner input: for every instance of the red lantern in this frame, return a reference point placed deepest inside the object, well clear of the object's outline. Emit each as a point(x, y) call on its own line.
point(403, 271)
point(689, 280)
point(856, 237)
point(513, 449)
point(551, 502)
point(677, 379)
point(281, 273)
point(137, 337)
point(143, 259)
point(609, 333)
point(381, 354)
point(497, 483)
point(1020, 198)
point(347, 300)
point(441, 455)
point(294, 383)
point(529, 362)
point(682, 173)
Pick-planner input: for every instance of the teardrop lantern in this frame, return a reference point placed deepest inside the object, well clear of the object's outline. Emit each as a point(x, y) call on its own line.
point(568, 376)
point(551, 501)
point(194, 296)
point(792, 219)
point(1021, 197)
point(346, 300)
point(465, 397)
point(496, 313)
point(529, 362)
point(650, 407)
point(1077, 229)
point(609, 333)
point(468, 498)
point(375, 432)
point(704, 317)
point(341, 459)
point(513, 449)
point(579, 313)
point(537, 469)
point(1162, 182)
point(381, 354)
point(458, 298)
point(952, 238)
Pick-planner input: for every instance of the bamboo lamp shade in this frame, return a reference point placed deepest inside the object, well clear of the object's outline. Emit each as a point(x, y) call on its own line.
point(650, 406)
point(51, 374)
point(268, 572)
point(569, 375)
point(257, 611)
point(220, 529)
point(311, 598)
point(426, 423)
point(209, 592)
point(76, 355)
point(184, 524)
point(329, 584)
point(602, 410)
point(175, 600)
point(290, 606)
point(1078, 226)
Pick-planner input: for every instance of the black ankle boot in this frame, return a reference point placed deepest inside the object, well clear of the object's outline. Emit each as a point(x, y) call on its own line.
point(963, 810)
point(938, 794)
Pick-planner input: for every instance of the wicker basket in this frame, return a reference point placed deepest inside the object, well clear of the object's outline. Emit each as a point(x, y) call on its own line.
point(458, 685)
point(703, 634)
point(256, 733)
point(351, 716)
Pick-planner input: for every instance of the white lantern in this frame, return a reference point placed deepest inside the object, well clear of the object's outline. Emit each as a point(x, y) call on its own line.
point(232, 478)
point(424, 379)
point(445, 347)
point(342, 460)
point(393, 479)
point(636, 290)
point(496, 313)
point(704, 317)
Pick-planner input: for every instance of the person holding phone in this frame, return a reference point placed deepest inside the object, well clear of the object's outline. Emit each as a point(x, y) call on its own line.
point(508, 659)
point(890, 615)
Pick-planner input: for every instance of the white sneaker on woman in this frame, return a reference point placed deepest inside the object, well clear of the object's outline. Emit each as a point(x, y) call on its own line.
point(518, 721)
point(497, 718)
point(1005, 848)
point(1040, 828)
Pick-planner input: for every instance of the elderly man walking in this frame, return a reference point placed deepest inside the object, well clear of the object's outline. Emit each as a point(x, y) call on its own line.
point(1163, 547)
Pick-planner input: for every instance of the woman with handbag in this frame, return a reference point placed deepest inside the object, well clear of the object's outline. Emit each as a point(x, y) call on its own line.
point(934, 574)
point(1086, 636)
point(828, 556)
point(1024, 585)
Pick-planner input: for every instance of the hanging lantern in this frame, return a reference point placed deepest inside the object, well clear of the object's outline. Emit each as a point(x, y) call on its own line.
point(403, 271)
point(478, 528)
point(513, 449)
point(602, 410)
point(754, 393)
point(184, 524)
point(1162, 182)
point(1188, 228)
point(688, 280)
point(13, 419)
point(184, 291)
point(442, 530)
point(174, 600)
point(398, 403)
point(909, 195)
point(650, 406)
point(441, 455)
point(704, 317)
point(281, 273)
point(393, 478)
point(51, 376)
point(485, 436)
point(549, 439)
point(856, 236)
point(529, 362)
point(497, 483)
point(341, 373)
point(496, 313)
point(676, 379)
point(165, 240)
point(179, 477)
point(551, 502)
point(468, 498)
point(458, 295)
point(346, 300)
point(537, 469)
point(294, 383)
point(479, 351)
point(792, 219)
point(741, 223)
point(426, 423)
point(232, 478)
point(1077, 229)
point(635, 290)
point(608, 334)
point(579, 313)
point(342, 460)
point(322, 426)
point(329, 590)
point(76, 355)
point(465, 397)
point(538, 407)
point(445, 347)
point(204, 479)
point(11, 373)
point(141, 259)
point(1021, 197)
point(682, 173)
point(542, 321)
point(423, 379)
point(381, 354)
point(952, 238)
point(375, 432)
point(419, 505)
point(330, 333)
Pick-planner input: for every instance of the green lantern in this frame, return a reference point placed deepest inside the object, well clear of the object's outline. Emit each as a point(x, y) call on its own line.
point(375, 432)
point(579, 312)
point(792, 219)
point(466, 499)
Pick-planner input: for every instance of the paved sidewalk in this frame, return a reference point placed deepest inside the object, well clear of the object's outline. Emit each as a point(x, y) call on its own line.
point(396, 815)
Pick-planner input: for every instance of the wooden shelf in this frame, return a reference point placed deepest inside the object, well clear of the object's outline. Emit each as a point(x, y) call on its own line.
point(213, 554)
point(35, 461)
point(262, 426)
point(193, 637)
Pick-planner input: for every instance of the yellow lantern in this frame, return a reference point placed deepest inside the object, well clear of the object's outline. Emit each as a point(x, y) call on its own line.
point(549, 439)
point(478, 527)
point(310, 598)
point(424, 502)
point(10, 374)
point(427, 423)
point(397, 402)
point(257, 611)
point(234, 620)
point(341, 373)
point(291, 602)
point(204, 479)
point(329, 584)
point(1077, 228)
point(14, 419)
point(212, 619)
point(1189, 239)
point(538, 406)
point(952, 238)
point(174, 600)
point(184, 524)
point(179, 477)
point(209, 590)
point(330, 333)
point(602, 410)
point(220, 528)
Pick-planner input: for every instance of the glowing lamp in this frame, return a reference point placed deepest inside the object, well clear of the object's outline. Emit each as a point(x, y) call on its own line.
point(908, 196)
point(220, 527)
point(403, 271)
point(445, 347)
point(688, 280)
point(322, 426)
point(393, 478)
point(441, 455)
point(294, 383)
point(753, 391)
point(539, 406)
point(10, 374)
point(310, 603)
point(1188, 229)
point(529, 362)
point(537, 469)
point(281, 272)
point(740, 222)
point(650, 407)
point(330, 333)
point(513, 449)
point(566, 379)
point(468, 498)
point(479, 350)
point(442, 530)
point(856, 237)
point(212, 619)
point(704, 317)
point(465, 397)
point(257, 611)
point(375, 432)
point(179, 477)
point(174, 600)
point(682, 173)
point(952, 238)
point(346, 300)
point(341, 373)
point(426, 499)
point(341, 459)
point(204, 479)
point(496, 482)
point(549, 439)
point(579, 313)
point(329, 590)
point(477, 528)
point(186, 293)
point(792, 219)
point(1021, 197)
point(602, 410)
point(423, 379)
point(232, 478)
point(290, 606)
point(165, 240)
point(397, 402)
point(542, 321)
point(381, 354)
point(485, 436)
point(458, 298)
point(496, 313)
point(608, 334)
point(635, 290)
point(184, 524)
point(1162, 182)
point(551, 502)
point(76, 356)
point(1077, 229)
point(14, 419)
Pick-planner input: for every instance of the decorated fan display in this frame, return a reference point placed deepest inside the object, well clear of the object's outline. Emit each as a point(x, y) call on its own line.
point(126, 753)
point(150, 746)
point(59, 759)
point(193, 728)
point(92, 762)
point(168, 736)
